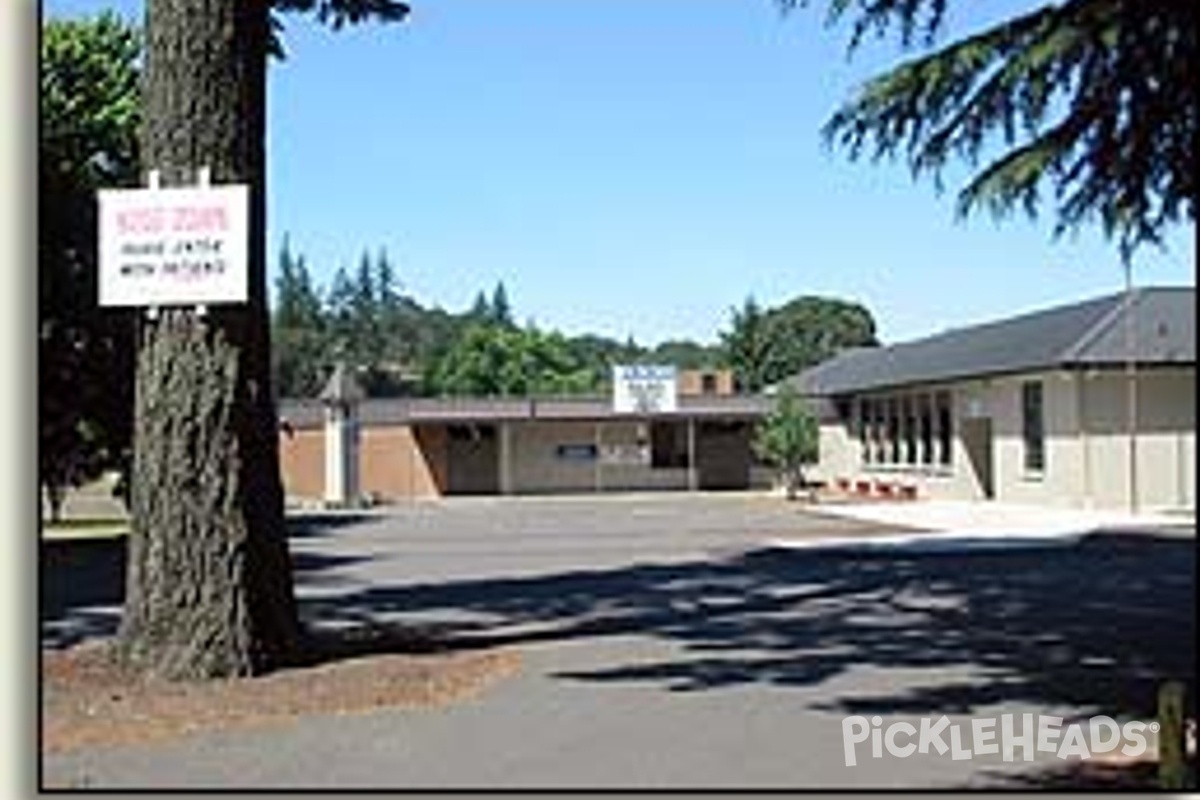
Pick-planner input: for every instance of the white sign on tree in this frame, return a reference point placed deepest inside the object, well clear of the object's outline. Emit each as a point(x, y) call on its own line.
point(643, 389)
point(174, 247)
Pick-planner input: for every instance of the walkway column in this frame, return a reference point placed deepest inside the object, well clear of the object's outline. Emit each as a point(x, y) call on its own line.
point(505, 457)
point(599, 457)
point(1131, 400)
point(693, 478)
point(1081, 410)
point(341, 397)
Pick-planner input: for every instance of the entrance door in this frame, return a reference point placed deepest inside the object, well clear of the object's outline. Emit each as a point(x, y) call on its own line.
point(977, 441)
point(473, 460)
point(723, 455)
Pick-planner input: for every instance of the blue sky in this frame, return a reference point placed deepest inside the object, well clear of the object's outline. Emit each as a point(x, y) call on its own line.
point(635, 167)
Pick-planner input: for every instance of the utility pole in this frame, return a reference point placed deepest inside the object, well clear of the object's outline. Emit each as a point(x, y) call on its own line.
point(1131, 385)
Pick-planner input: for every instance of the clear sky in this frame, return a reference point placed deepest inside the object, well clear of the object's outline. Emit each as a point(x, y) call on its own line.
point(635, 167)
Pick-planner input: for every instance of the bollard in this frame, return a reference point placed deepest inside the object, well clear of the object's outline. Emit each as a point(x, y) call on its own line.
point(1172, 758)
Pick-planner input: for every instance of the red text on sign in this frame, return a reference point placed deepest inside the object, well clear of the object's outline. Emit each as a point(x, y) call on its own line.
point(199, 218)
point(140, 220)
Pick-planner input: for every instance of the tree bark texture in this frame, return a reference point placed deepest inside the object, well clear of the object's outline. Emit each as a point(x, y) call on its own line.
point(209, 590)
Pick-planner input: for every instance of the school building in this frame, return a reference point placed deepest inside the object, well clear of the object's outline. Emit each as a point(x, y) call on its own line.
point(343, 447)
point(1088, 405)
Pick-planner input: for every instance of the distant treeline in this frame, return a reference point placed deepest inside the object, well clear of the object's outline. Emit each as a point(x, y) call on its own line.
point(398, 346)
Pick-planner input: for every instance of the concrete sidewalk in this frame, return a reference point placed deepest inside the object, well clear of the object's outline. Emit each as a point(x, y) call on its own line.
point(926, 520)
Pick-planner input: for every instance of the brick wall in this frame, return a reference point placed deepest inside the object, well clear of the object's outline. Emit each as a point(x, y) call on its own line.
point(705, 381)
point(302, 463)
point(397, 461)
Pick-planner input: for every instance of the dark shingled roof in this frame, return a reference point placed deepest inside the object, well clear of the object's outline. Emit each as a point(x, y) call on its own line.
point(308, 413)
point(1091, 333)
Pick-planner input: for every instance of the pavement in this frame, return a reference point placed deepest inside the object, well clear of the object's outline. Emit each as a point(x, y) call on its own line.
point(670, 642)
point(994, 517)
point(956, 523)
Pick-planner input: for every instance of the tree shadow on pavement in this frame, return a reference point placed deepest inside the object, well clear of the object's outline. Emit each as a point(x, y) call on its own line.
point(1097, 624)
point(315, 524)
point(1093, 775)
point(82, 581)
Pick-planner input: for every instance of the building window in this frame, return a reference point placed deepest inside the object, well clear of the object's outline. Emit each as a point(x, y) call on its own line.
point(909, 415)
point(708, 383)
point(577, 452)
point(926, 428)
point(893, 431)
point(1032, 426)
point(864, 416)
point(945, 428)
point(869, 431)
point(905, 430)
point(668, 445)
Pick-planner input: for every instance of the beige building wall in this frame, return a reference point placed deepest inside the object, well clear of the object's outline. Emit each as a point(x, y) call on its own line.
point(535, 465)
point(1060, 482)
point(1165, 447)
point(841, 453)
point(627, 473)
point(1085, 440)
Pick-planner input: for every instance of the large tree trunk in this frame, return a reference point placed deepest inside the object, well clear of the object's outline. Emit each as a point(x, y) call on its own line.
point(209, 589)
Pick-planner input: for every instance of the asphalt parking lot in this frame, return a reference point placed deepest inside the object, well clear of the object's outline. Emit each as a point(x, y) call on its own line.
point(667, 644)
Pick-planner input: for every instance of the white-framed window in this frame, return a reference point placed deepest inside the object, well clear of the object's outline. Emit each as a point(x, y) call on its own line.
point(908, 431)
point(1033, 429)
point(925, 428)
point(944, 416)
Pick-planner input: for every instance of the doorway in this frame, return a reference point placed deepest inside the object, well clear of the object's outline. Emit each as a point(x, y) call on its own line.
point(723, 455)
point(473, 460)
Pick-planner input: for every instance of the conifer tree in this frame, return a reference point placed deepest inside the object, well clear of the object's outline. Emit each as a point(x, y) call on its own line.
point(209, 585)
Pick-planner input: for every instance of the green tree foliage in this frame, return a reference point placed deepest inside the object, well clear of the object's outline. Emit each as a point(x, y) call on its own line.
point(765, 346)
point(399, 346)
point(747, 346)
point(787, 438)
point(340, 306)
point(301, 353)
point(597, 354)
point(410, 334)
point(492, 360)
point(1091, 102)
point(481, 309)
point(683, 353)
point(334, 13)
point(500, 311)
point(89, 117)
point(395, 344)
point(808, 330)
point(366, 315)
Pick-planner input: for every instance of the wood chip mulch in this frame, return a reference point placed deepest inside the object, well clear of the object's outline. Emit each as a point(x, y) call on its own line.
point(88, 702)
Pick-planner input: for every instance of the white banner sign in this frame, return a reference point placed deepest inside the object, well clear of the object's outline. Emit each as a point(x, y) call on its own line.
point(171, 247)
point(631, 454)
point(643, 389)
